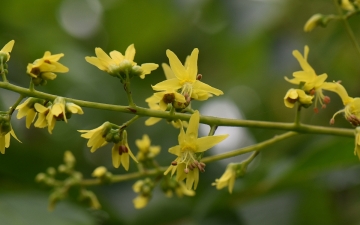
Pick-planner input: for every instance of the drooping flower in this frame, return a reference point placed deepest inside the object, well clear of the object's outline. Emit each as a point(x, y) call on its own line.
point(186, 78)
point(5, 132)
point(352, 105)
point(5, 52)
point(58, 111)
point(297, 95)
point(121, 152)
point(119, 65)
point(187, 164)
point(27, 109)
point(44, 69)
point(97, 136)
point(146, 150)
point(228, 178)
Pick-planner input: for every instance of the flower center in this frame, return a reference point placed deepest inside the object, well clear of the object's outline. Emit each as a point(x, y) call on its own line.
point(187, 90)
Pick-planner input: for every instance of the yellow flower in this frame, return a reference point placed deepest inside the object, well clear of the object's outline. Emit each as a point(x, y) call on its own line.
point(97, 136)
point(161, 100)
point(45, 68)
point(27, 109)
point(187, 163)
point(146, 151)
point(294, 95)
point(186, 79)
point(144, 189)
point(352, 105)
point(118, 65)
point(57, 111)
point(312, 84)
point(5, 51)
point(227, 179)
point(5, 132)
point(314, 21)
point(121, 152)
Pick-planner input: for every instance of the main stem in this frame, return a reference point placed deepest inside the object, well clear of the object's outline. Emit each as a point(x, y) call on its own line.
point(302, 128)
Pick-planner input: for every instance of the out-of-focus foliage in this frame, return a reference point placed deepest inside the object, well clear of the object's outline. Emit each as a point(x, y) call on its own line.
point(245, 50)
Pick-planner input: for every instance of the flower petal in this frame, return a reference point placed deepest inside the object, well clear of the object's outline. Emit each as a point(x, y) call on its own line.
point(167, 84)
point(116, 159)
point(130, 53)
point(169, 74)
point(198, 85)
point(176, 150)
point(208, 142)
point(8, 47)
point(176, 66)
point(192, 68)
point(192, 130)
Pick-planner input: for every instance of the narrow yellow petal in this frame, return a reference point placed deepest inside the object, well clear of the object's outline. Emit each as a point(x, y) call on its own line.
point(167, 84)
point(198, 85)
point(116, 159)
point(205, 143)
point(151, 121)
point(169, 74)
point(192, 68)
point(192, 130)
point(125, 161)
point(2, 144)
point(8, 47)
point(176, 66)
point(130, 53)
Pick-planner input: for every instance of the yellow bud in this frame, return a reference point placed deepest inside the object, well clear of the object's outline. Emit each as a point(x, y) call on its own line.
point(99, 172)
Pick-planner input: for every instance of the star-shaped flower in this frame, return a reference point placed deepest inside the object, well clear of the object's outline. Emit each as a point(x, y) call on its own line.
point(187, 164)
point(311, 83)
point(186, 78)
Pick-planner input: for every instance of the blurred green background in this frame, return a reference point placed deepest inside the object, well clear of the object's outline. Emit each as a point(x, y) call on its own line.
point(245, 50)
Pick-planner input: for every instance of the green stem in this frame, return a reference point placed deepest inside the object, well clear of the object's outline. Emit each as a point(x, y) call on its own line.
point(347, 27)
point(128, 91)
point(2, 71)
point(13, 107)
point(126, 124)
point(256, 147)
point(156, 171)
point(250, 158)
point(212, 130)
point(301, 128)
point(297, 115)
point(31, 87)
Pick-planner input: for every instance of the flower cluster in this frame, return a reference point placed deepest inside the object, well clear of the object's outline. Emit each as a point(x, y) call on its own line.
point(119, 65)
point(47, 112)
point(106, 133)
